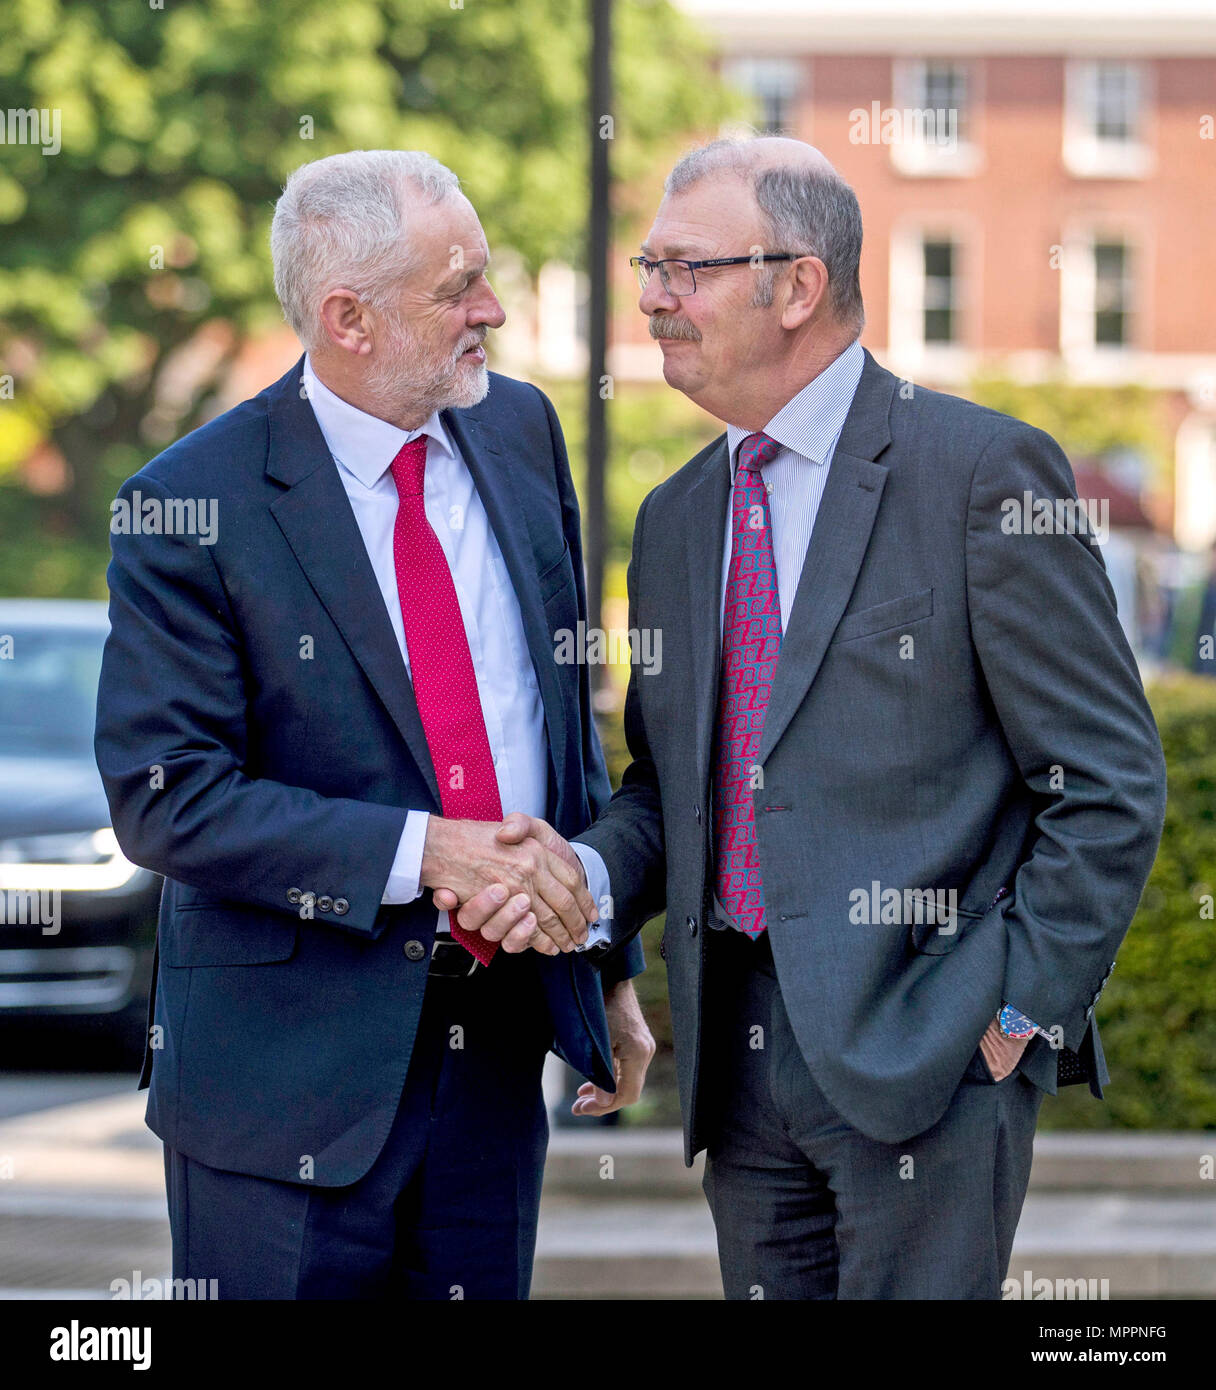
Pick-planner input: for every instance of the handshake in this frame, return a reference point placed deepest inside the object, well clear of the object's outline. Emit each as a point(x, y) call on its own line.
point(518, 883)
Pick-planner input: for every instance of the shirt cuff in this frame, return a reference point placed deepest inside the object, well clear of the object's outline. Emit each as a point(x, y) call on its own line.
point(600, 932)
point(403, 884)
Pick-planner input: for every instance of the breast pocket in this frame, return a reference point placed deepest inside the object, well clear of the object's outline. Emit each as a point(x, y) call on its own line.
point(228, 934)
point(554, 578)
point(896, 612)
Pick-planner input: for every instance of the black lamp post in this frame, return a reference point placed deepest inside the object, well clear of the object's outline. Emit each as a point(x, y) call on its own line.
point(598, 232)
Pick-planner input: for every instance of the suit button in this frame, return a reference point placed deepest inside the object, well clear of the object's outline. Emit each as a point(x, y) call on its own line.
point(293, 896)
point(414, 950)
point(691, 923)
point(324, 903)
point(341, 906)
point(308, 900)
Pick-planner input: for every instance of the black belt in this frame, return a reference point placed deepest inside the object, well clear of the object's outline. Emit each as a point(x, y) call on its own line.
point(756, 952)
point(450, 960)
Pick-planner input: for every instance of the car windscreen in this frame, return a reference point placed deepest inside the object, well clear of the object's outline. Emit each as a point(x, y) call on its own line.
point(48, 691)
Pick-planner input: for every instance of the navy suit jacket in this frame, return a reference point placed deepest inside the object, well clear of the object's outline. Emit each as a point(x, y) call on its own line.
point(258, 739)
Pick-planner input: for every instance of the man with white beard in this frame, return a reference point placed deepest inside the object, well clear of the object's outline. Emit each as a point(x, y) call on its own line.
point(331, 708)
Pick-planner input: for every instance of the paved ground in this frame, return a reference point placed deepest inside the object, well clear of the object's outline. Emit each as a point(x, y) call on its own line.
point(82, 1204)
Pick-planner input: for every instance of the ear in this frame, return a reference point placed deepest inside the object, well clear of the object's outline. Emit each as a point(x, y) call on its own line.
point(345, 319)
point(806, 290)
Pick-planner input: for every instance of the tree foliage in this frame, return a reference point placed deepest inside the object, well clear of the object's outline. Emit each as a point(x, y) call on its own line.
point(135, 259)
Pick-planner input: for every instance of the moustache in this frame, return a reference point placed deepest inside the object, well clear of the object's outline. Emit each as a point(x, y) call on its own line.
point(668, 326)
point(472, 343)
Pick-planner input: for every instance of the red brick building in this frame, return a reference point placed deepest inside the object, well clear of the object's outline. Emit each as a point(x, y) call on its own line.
point(1038, 184)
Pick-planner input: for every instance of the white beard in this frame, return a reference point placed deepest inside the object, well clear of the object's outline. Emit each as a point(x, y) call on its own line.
point(403, 381)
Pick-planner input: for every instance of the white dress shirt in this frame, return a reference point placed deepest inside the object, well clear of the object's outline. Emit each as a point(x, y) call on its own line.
point(807, 429)
point(363, 448)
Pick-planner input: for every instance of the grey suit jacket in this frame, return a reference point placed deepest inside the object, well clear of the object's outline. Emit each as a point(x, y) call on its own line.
point(955, 708)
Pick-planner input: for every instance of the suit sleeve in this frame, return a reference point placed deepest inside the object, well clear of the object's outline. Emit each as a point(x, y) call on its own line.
point(171, 746)
point(628, 834)
point(615, 965)
point(1068, 695)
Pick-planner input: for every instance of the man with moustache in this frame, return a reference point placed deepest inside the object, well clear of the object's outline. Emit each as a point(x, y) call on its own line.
point(867, 685)
point(310, 723)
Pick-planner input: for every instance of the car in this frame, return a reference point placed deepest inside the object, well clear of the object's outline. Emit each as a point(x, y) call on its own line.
point(77, 918)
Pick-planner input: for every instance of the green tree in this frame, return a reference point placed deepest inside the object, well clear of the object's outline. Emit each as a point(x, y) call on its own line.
point(135, 258)
point(1086, 421)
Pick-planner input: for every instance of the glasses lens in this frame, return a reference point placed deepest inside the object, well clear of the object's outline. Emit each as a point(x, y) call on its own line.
point(643, 270)
point(678, 278)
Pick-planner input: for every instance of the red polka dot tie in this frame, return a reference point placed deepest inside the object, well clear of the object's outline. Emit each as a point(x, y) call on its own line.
point(441, 666)
point(751, 643)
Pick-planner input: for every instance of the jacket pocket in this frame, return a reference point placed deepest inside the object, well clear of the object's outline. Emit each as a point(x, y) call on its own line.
point(895, 612)
point(940, 935)
point(228, 934)
point(553, 579)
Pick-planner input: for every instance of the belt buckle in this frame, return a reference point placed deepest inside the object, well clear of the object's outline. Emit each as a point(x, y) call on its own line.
point(441, 945)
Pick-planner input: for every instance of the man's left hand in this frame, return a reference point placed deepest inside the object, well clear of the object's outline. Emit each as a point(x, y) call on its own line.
point(632, 1048)
point(1001, 1053)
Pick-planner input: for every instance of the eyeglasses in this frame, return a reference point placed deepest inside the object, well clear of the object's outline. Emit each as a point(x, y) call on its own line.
point(678, 278)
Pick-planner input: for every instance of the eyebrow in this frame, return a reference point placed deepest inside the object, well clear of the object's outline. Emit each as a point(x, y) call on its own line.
point(676, 252)
point(468, 275)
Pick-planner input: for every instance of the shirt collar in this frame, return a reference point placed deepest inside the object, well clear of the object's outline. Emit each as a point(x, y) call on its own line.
point(364, 444)
point(810, 423)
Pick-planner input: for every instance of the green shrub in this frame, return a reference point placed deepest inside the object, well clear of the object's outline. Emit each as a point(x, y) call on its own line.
point(1158, 1014)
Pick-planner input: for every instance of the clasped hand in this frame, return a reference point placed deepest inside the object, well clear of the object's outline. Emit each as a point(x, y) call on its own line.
point(518, 883)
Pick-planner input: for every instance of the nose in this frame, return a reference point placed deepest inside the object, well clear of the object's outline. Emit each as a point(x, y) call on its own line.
point(656, 298)
point(486, 308)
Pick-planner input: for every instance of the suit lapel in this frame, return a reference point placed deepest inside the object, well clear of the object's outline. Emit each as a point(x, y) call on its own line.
point(837, 548)
point(316, 518)
point(499, 487)
point(705, 540)
point(833, 560)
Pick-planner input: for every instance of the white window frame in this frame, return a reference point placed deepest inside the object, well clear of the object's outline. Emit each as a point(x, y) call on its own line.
point(1078, 294)
point(561, 294)
point(918, 158)
point(906, 343)
point(1195, 482)
point(788, 75)
point(1086, 154)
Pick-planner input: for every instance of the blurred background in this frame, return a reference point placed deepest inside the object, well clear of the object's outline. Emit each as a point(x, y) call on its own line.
point(1038, 184)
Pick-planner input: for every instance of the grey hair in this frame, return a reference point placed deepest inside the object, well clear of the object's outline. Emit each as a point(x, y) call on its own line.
point(341, 220)
point(808, 210)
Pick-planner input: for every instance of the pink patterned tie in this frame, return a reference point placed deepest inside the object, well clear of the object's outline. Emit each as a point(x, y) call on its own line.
point(441, 665)
point(751, 643)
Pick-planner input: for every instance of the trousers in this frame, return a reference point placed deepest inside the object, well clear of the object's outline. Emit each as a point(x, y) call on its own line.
point(449, 1207)
point(807, 1207)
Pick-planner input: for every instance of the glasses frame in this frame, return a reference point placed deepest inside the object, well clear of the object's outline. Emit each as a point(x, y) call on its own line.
point(646, 267)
